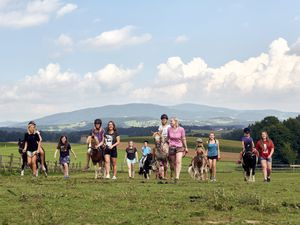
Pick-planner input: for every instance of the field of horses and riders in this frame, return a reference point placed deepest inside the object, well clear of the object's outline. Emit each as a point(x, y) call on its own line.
point(81, 199)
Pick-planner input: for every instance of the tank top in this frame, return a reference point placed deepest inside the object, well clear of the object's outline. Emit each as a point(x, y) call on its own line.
point(212, 149)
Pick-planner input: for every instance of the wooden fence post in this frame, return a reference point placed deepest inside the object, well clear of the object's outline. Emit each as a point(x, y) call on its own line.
point(11, 161)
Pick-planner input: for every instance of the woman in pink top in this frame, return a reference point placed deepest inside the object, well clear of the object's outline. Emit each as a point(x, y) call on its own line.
point(177, 145)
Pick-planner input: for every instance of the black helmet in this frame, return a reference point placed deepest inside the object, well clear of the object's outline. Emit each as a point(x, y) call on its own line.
point(247, 130)
point(32, 123)
point(164, 116)
point(98, 121)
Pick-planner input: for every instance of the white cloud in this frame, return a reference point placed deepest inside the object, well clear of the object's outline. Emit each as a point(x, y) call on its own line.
point(295, 48)
point(21, 14)
point(68, 8)
point(270, 80)
point(117, 38)
point(56, 90)
point(181, 39)
point(65, 42)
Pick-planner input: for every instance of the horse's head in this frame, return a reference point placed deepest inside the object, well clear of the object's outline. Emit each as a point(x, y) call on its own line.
point(93, 141)
point(20, 145)
point(157, 137)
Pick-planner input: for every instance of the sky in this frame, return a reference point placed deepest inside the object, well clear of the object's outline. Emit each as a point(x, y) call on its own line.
point(59, 56)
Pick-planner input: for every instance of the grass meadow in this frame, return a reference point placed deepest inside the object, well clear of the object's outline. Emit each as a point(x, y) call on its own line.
point(84, 200)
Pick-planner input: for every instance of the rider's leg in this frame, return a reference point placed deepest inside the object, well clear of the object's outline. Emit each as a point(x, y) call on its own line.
point(33, 163)
point(66, 169)
point(132, 170)
point(172, 165)
point(179, 156)
point(129, 169)
point(107, 165)
point(114, 162)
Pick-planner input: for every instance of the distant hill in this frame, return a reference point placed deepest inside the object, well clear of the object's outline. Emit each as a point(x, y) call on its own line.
point(143, 115)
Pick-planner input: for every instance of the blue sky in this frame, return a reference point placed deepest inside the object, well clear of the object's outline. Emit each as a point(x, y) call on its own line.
point(164, 52)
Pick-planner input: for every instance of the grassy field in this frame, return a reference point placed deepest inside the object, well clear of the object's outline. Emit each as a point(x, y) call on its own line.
point(84, 200)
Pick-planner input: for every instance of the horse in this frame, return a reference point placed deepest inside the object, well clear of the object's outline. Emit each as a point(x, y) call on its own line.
point(147, 166)
point(161, 152)
point(21, 145)
point(249, 164)
point(198, 167)
point(96, 154)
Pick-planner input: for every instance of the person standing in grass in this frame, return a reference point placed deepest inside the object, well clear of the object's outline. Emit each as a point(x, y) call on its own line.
point(163, 130)
point(265, 147)
point(31, 147)
point(145, 151)
point(98, 131)
point(248, 147)
point(112, 140)
point(40, 151)
point(131, 156)
point(178, 146)
point(64, 149)
point(213, 155)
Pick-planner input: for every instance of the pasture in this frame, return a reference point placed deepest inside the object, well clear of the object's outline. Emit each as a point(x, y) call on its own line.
point(84, 200)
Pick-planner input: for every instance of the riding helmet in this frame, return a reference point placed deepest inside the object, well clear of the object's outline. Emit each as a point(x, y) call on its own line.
point(164, 116)
point(98, 121)
point(247, 130)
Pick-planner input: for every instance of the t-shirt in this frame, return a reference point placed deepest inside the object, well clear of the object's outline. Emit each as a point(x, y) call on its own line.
point(131, 153)
point(248, 143)
point(264, 148)
point(111, 139)
point(64, 150)
point(32, 141)
point(164, 130)
point(146, 150)
point(98, 134)
point(175, 137)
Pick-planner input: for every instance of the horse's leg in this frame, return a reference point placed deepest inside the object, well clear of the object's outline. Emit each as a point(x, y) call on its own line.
point(96, 171)
point(250, 175)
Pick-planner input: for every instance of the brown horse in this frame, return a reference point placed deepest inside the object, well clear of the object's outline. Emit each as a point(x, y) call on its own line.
point(161, 152)
point(96, 155)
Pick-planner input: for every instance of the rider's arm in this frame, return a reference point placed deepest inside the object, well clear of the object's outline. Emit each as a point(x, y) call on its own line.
point(185, 144)
point(136, 155)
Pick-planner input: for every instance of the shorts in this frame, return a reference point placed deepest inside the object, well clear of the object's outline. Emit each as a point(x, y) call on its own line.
point(131, 161)
point(174, 150)
point(267, 159)
point(64, 160)
point(112, 152)
point(212, 157)
point(31, 154)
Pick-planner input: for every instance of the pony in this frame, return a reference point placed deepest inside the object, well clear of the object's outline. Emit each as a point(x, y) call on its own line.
point(147, 166)
point(198, 166)
point(161, 153)
point(249, 163)
point(97, 155)
point(21, 145)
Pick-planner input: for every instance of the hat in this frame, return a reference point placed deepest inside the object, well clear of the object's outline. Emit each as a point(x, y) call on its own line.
point(199, 140)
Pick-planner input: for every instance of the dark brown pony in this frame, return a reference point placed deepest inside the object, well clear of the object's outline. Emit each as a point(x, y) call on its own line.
point(97, 155)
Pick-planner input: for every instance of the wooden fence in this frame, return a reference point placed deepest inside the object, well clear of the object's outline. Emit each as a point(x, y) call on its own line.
point(11, 163)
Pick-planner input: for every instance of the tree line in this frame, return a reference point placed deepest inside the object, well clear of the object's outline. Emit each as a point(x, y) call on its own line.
point(285, 135)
